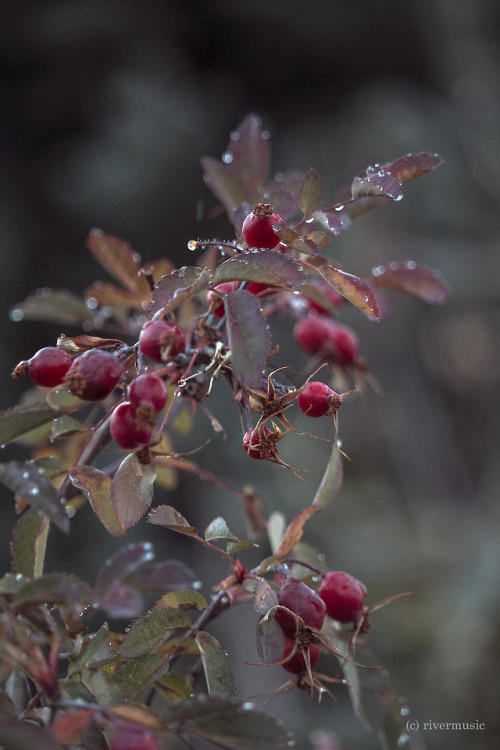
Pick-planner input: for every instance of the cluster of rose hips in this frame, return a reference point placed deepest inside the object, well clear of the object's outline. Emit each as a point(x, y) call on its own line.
point(340, 596)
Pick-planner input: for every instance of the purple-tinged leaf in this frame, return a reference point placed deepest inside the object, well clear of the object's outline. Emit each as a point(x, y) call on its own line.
point(118, 258)
point(248, 335)
point(331, 220)
point(243, 168)
point(122, 564)
point(413, 165)
point(270, 640)
point(29, 541)
point(218, 531)
point(121, 600)
point(376, 183)
point(132, 490)
point(27, 481)
point(282, 192)
point(151, 630)
point(174, 289)
point(264, 266)
point(114, 296)
point(312, 193)
point(354, 289)
point(53, 306)
point(165, 515)
point(264, 597)
point(96, 487)
point(164, 576)
point(216, 666)
point(424, 283)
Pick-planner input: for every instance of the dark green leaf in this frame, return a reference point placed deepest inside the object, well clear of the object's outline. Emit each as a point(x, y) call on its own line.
point(54, 306)
point(29, 540)
point(218, 674)
point(270, 640)
point(331, 481)
point(424, 283)
point(26, 480)
point(96, 486)
point(105, 690)
point(311, 194)
point(151, 630)
point(172, 290)
point(243, 728)
point(24, 735)
point(248, 335)
point(54, 588)
point(139, 673)
point(19, 420)
point(356, 291)
point(132, 490)
point(165, 515)
point(264, 266)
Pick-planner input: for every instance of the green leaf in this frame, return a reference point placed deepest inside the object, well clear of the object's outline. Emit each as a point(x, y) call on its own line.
point(66, 425)
point(24, 735)
point(331, 481)
point(26, 480)
point(183, 599)
point(264, 266)
point(218, 674)
point(248, 335)
point(54, 588)
point(54, 306)
point(242, 728)
point(174, 688)
point(96, 486)
point(105, 690)
point(419, 281)
point(270, 640)
point(355, 290)
point(151, 630)
point(311, 194)
point(117, 257)
point(174, 289)
point(236, 179)
point(218, 531)
point(139, 673)
point(97, 651)
point(132, 490)
point(19, 420)
point(29, 541)
point(165, 515)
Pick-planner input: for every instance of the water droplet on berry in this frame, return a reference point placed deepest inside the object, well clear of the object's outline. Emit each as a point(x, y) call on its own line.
point(16, 315)
point(227, 158)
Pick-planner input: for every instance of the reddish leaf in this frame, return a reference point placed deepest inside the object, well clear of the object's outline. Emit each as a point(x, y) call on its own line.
point(66, 727)
point(122, 564)
point(311, 193)
point(243, 168)
point(353, 289)
point(424, 283)
point(118, 258)
point(164, 576)
point(96, 487)
point(248, 335)
point(132, 490)
point(376, 182)
point(413, 165)
point(282, 192)
point(264, 266)
point(114, 296)
point(53, 306)
point(330, 220)
point(270, 640)
point(172, 290)
point(165, 515)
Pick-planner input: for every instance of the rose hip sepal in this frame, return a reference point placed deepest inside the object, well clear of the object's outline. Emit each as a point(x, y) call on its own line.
point(297, 663)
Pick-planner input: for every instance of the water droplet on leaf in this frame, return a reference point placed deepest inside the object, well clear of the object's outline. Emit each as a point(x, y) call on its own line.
point(227, 158)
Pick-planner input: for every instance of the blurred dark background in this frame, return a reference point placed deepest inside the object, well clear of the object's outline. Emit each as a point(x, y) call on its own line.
point(106, 107)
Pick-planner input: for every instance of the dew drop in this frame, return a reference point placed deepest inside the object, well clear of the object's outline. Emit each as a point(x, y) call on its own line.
point(16, 314)
point(365, 297)
point(378, 271)
point(403, 741)
point(192, 245)
point(203, 477)
point(266, 135)
point(87, 325)
point(310, 220)
point(399, 197)
point(196, 585)
point(248, 706)
point(19, 577)
point(235, 136)
point(3, 445)
point(34, 491)
point(339, 208)
point(70, 511)
point(405, 711)
point(26, 475)
point(227, 158)
point(411, 265)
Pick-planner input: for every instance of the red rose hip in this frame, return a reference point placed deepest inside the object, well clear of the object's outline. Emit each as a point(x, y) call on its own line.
point(257, 228)
point(161, 340)
point(252, 443)
point(93, 375)
point(148, 389)
point(297, 663)
point(344, 595)
point(318, 399)
point(47, 367)
point(300, 598)
point(126, 430)
point(126, 737)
